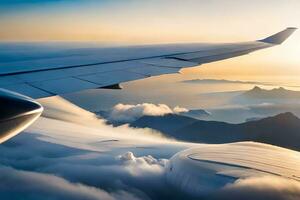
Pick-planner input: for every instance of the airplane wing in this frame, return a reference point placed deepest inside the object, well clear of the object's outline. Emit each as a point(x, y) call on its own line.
point(33, 71)
point(44, 71)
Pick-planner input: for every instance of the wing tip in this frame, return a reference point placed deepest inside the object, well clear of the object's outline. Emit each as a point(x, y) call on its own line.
point(280, 37)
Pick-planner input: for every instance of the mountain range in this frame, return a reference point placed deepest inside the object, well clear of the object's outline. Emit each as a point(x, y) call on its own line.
point(224, 81)
point(276, 93)
point(280, 130)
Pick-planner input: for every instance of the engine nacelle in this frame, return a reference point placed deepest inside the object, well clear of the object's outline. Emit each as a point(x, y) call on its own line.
point(17, 112)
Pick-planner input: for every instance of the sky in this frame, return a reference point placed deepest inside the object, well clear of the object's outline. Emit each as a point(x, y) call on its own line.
point(162, 21)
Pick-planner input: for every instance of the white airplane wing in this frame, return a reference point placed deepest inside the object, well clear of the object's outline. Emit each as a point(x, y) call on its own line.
point(40, 72)
point(33, 71)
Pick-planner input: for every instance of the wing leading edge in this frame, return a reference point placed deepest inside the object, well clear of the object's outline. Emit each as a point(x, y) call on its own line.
point(48, 73)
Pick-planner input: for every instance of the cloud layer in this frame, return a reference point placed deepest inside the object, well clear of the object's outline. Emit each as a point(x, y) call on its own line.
point(71, 154)
point(76, 156)
point(261, 188)
point(18, 184)
point(60, 172)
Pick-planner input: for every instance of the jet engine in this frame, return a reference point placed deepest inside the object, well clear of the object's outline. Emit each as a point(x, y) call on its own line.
point(17, 112)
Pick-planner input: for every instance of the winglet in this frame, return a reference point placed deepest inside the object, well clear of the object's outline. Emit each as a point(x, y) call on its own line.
point(280, 37)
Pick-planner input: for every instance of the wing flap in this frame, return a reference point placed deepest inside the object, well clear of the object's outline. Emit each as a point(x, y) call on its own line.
point(169, 62)
point(111, 78)
point(62, 86)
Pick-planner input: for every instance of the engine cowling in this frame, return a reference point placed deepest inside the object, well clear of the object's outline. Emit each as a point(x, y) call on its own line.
point(17, 112)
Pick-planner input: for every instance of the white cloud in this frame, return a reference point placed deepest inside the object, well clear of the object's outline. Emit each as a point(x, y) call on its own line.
point(178, 109)
point(141, 165)
point(62, 172)
point(261, 188)
point(128, 112)
point(63, 120)
point(86, 165)
point(82, 151)
point(18, 184)
point(149, 160)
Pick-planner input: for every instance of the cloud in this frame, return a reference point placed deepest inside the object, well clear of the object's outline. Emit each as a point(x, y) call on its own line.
point(261, 188)
point(61, 109)
point(129, 113)
point(62, 172)
point(62, 119)
point(142, 165)
point(18, 184)
point(142, 176)
point(178, 109)
point(77, 151)
point(75, 155)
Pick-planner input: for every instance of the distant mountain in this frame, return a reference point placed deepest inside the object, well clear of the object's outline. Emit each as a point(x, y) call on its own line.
point(167, 124)
point(281, 130)
point(220, 81)
point(276, 93)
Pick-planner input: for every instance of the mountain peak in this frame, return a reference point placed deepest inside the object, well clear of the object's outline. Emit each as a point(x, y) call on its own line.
point(276, 93)
point(279, 89)
point(286, 116)
point(256, 88)
point(282, 119)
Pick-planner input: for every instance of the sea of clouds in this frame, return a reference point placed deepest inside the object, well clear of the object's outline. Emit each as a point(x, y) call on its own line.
point(71, 154)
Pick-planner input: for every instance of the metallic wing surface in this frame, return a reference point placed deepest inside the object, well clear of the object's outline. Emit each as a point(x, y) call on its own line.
point(43, 71)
